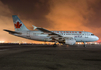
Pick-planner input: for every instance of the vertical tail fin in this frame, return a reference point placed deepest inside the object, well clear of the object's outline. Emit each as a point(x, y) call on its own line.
point(18, 25)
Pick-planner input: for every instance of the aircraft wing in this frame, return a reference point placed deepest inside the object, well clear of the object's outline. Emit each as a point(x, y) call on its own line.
point(53, 35)
point(12, 32)
point(49, 32)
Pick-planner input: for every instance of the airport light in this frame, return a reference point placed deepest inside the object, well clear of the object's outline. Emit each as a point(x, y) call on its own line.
point(2, 41)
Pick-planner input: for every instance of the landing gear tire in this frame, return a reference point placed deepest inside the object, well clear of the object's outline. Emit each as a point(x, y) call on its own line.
point(54, 45)
point(84, 44)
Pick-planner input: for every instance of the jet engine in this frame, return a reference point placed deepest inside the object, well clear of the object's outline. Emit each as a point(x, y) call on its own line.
point(70, 41)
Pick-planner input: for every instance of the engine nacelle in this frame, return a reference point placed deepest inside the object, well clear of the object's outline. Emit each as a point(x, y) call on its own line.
point(70, 41)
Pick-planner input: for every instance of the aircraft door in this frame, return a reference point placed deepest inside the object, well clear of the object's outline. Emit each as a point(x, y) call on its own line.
point(86, 35)
point(28, 34)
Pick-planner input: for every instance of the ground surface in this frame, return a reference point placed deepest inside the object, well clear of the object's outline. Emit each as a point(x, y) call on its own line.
point(40, 57)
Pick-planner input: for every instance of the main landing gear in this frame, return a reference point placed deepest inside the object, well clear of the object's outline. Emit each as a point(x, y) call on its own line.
point(84, 44)
point(55, 45)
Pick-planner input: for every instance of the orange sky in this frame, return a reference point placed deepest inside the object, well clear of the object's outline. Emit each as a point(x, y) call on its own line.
point(66, 15)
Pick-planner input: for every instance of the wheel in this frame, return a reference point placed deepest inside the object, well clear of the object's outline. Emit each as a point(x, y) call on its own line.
point(84, 45)
point(54, 45)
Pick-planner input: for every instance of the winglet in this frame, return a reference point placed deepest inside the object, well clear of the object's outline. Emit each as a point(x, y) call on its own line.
point(34, 27)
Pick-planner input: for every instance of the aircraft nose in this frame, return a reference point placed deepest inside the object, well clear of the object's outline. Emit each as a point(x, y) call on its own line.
point(97, 38)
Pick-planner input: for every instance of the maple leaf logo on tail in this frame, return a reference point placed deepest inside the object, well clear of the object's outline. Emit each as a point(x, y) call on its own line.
point(18, 25)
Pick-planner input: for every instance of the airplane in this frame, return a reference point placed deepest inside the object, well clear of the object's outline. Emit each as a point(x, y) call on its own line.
point(42, 34)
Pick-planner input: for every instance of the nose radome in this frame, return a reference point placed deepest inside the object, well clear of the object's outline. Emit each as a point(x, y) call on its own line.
point(97, 38)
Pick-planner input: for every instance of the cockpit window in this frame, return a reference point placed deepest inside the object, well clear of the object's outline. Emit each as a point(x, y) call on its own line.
point(92, 34)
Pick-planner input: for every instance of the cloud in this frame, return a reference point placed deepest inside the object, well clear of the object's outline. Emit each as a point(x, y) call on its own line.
point(75, 15)
point(6, 22)
point(32, 10)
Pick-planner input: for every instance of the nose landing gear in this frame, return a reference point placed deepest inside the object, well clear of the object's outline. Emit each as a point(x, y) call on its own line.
point(84, 44)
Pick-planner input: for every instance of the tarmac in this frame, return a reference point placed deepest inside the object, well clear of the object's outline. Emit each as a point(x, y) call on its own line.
point(47, 57)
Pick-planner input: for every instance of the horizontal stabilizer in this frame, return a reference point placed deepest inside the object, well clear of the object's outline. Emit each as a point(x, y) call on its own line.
point(12, 32)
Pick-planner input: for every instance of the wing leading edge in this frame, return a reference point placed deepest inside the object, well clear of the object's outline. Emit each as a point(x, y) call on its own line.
point(50, 33)
point(54, 36)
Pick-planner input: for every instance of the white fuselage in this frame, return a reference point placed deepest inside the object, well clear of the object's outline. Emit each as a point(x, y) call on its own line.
point(79, 36)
